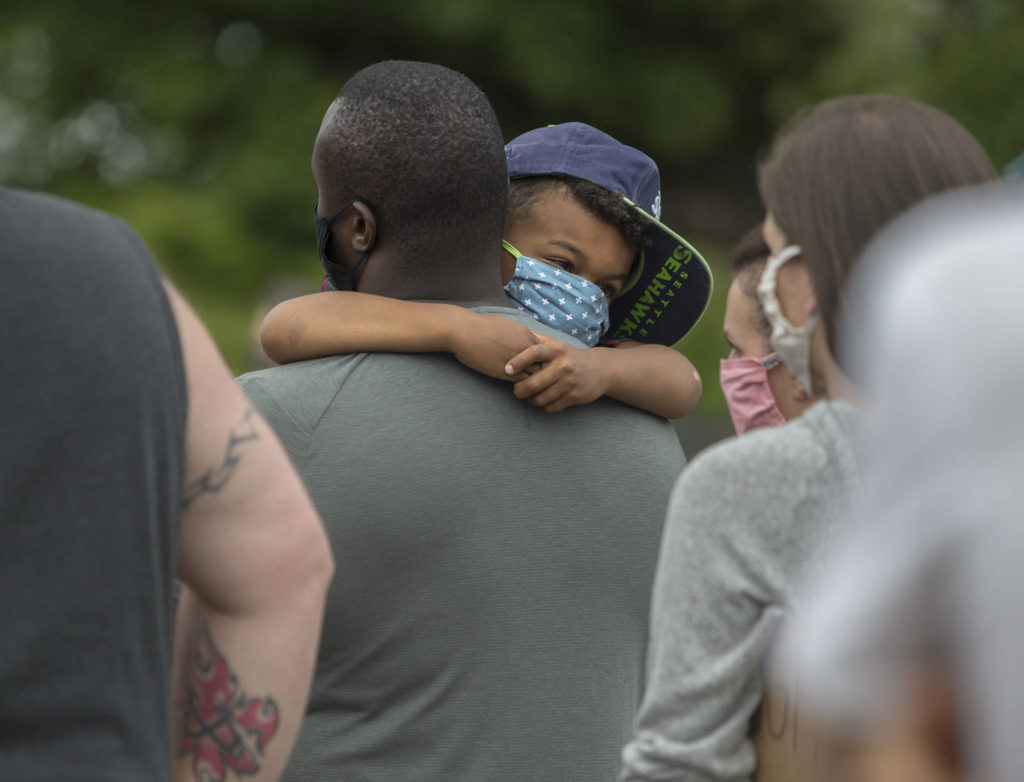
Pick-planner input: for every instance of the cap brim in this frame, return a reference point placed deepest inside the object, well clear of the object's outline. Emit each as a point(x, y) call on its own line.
point(666, 295)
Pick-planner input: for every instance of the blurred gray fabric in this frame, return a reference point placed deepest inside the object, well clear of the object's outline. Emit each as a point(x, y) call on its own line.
point(931, 567)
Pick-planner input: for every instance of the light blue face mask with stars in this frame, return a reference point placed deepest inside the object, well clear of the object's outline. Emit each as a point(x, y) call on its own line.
point(558, 298)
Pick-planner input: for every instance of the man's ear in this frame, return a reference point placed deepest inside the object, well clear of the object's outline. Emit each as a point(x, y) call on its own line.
point(364, 228)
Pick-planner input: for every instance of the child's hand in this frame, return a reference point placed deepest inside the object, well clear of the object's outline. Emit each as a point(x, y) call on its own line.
point(486, 342)
point(566, 376)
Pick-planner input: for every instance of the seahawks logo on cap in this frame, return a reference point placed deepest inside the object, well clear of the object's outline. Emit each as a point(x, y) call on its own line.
point(656, 207)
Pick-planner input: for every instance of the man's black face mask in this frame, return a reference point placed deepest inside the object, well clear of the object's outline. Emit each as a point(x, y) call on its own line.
point(339, 277)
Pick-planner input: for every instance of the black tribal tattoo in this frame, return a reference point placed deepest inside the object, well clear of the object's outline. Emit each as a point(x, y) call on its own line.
point(214, 480)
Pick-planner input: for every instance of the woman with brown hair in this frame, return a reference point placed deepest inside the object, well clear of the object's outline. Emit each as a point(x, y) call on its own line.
point(748, 518)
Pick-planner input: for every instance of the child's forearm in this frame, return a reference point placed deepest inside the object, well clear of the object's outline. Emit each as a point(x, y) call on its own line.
point(339, 322)
point(655, 378)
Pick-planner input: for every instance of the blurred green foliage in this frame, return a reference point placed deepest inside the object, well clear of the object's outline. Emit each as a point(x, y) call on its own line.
point(194, 121)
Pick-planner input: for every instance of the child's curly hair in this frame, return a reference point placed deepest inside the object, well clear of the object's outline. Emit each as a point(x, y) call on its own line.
point(601, 202)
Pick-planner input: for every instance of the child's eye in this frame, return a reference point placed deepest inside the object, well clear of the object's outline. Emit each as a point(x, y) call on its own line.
point(560, 263)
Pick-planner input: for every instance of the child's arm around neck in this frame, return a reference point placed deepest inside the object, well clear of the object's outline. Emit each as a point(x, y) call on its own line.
point(551, 374)
point(341, 322)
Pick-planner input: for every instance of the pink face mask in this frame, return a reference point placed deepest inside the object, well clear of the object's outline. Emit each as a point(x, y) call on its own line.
point(745, 385)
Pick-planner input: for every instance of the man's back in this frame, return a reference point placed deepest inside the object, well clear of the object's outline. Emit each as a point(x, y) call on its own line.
point(489, 617)
point(92, 462)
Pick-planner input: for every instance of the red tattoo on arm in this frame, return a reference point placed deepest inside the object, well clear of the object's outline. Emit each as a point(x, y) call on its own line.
point(221, 729)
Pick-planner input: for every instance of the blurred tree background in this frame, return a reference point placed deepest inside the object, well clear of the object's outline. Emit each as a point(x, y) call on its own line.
point(194, 121)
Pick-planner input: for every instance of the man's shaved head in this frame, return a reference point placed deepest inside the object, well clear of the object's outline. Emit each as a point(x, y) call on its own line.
point(420, 144)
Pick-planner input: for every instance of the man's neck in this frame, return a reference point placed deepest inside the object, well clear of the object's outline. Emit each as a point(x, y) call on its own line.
point(470, 297)
point(479, 287)
point(470, 304)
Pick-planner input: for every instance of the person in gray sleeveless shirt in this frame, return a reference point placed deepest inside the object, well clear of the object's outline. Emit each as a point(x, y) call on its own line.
point(128, 453)
point(489, 617)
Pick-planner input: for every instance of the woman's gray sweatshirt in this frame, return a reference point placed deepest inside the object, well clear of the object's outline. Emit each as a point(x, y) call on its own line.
point(745, 523)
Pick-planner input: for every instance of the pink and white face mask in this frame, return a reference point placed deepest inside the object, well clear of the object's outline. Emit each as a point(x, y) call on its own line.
point(745, 385)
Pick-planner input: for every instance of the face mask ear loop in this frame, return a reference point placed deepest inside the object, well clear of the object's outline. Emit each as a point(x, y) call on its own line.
point(766, 291)
point(333, 218)
point(511, 250)
point(766, 285)
point(788, 341)
point(359, 265)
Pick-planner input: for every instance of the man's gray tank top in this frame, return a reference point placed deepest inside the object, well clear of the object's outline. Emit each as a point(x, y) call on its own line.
point(91, 471)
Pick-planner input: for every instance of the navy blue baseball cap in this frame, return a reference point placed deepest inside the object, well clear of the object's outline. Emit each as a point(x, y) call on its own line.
point(670, 285)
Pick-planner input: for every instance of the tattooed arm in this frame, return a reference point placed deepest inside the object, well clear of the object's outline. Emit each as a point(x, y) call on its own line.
point(256, 565)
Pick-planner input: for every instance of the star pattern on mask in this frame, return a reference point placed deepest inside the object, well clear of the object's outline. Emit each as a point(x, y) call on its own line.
point(570, 303)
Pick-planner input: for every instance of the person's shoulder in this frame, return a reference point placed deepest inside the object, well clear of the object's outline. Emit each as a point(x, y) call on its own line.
point(745, 491)
point(307, 374)
point(294, 397)
point(769, 456)
point(68, 212)
point(772, 444)
point(303, 388)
